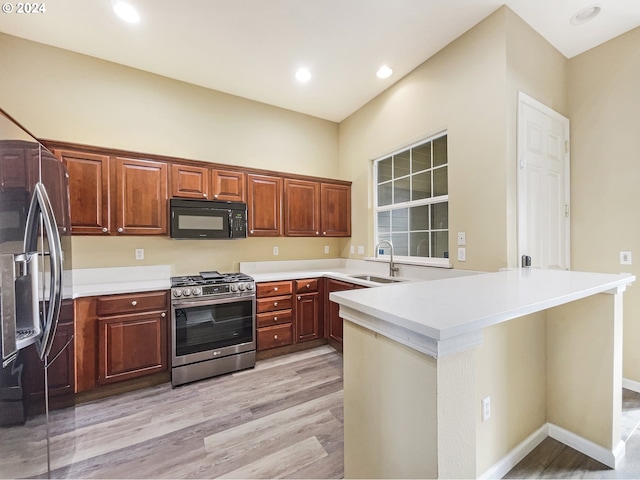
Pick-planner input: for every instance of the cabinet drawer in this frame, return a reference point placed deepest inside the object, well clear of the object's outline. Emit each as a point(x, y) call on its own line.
point(273, 304)
point(308, 285)
point(272, 337)
point(131, 303)
point(273, 289)
point(274, 318)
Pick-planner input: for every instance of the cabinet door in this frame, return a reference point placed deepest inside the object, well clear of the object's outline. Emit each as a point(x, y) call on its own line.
point(336, 210)
point(189, 182)
point(141, 197)
point(131, 346)
point(265, 206)
point(307, 317)
point(334, 321)
point(228, 185)
point(89, 191)
point(301, 208)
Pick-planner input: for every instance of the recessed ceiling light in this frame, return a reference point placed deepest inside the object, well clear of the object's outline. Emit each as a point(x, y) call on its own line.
point(126, 12)
point(586, 14)
point(384, 72)
point(303, 75)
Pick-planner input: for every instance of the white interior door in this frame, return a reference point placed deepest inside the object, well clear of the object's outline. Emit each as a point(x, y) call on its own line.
point(543, 185)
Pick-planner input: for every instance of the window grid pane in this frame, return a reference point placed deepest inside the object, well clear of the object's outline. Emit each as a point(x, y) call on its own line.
point(407, 179)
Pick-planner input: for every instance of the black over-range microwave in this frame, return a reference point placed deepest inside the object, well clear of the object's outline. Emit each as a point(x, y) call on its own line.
point(207, 219)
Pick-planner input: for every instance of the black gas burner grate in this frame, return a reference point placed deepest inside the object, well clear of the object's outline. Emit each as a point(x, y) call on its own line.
point(209, 278)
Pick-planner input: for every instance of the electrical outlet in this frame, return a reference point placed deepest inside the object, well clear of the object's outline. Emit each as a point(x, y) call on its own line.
point(275, 251)
point(462, 238)
point(625, 258)
point(139, 253)
point(326, 249)
point(486, 408)
point(352, 250)
point(462, 254)
point(360, 250)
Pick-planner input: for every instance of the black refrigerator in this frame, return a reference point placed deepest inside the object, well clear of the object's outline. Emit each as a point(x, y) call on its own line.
point(36, 313)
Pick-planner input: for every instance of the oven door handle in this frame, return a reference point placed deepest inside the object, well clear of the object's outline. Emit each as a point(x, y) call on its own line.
point(213, 301)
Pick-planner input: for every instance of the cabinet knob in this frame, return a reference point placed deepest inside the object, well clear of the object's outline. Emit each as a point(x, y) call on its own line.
point(215, 196)
point(275, 289)
point(120, 230)
point(105, 229)
point(275, 337)
point(163, 314)
point(308, 285)
point(134, 303)
point(317, 233)
point(251, 232)
point(275, 319)
point(204, 195)
point(299, 297)
point(324, 233)
point(275, 304)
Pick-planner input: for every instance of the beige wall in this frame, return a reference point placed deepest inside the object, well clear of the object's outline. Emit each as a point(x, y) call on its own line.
point(65, 96)
point(604, 100)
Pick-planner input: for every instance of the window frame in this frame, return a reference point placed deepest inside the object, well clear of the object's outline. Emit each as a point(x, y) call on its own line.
point(408, 259)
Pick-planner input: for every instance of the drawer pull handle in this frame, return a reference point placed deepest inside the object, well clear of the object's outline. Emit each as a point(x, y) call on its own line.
point(275, 337)
point(134, 303)
point(163, 314)
point(275, 304)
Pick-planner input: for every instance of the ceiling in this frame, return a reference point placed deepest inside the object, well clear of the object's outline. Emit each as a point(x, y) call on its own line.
point(252, 48)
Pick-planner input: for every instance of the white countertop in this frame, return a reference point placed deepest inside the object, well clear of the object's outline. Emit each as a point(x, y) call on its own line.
point(89, 282)
point(444, 309)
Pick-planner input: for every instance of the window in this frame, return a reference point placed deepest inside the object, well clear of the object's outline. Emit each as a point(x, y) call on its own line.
point(412, 201)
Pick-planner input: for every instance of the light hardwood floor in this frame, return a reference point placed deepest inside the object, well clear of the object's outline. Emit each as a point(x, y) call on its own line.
point(283, 419)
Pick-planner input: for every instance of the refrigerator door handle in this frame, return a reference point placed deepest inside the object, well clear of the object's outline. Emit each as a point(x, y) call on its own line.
point(40, 203)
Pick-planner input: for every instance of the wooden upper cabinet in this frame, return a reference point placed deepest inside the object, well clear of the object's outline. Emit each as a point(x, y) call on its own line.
point(336, 210)
point(189, 182)
point(89, 191)
point(228, 185)
point(141, 197)
point(264, 205)
point(301, 208)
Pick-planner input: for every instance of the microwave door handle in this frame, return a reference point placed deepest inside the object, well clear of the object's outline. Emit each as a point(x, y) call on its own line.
point(40, 202)
point(8, 313)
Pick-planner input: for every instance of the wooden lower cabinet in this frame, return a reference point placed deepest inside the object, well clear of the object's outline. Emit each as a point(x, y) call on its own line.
point(121, 337)
point(308, 307)
point(274, 306)
point(333, 320)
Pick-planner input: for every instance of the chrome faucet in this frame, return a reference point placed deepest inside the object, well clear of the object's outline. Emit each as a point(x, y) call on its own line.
point(392, 268)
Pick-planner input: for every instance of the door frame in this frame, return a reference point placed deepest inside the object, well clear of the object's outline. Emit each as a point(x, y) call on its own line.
point(524, 99)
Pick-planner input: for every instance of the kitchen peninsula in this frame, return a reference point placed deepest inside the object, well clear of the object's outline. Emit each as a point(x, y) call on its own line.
point(413, 378)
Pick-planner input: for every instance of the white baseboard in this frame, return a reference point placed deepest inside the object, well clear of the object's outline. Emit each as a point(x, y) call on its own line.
point(631, 385)
point(610, 458)
point(510, 460)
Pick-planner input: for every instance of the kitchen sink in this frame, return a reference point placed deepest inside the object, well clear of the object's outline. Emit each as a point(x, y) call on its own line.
point(376, 279)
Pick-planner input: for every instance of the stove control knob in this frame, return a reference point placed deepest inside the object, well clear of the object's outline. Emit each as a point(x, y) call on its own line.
point(241, 287)
point(196, 291)
point(233, 287)
point(249, 286)
point(177, 293)
point(186, 292)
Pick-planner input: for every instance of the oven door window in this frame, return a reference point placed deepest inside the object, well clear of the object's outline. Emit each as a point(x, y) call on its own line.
point(211, 327)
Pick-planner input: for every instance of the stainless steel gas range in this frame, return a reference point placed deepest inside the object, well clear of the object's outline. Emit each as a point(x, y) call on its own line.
point(212, 325)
